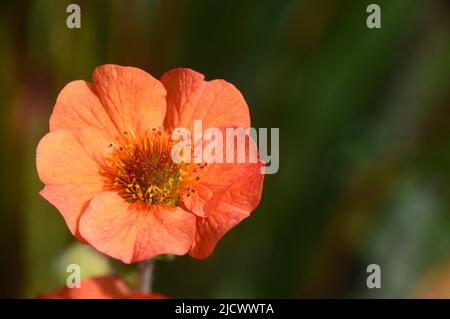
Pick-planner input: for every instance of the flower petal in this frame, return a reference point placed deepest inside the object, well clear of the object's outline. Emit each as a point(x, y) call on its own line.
point(120, 99)
point(133, 99)
point(197, 202)
point(218, 177)
point(77, 106)
point(217, 102)
point(68, 163)
point(129, 233)
point(237, 191)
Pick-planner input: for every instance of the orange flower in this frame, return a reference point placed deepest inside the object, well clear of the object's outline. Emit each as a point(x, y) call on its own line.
point(107, 168)
point(103, 287)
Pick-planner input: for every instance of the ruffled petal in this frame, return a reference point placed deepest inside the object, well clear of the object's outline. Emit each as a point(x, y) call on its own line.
point(120, 99)
point(77, 106)
point(241, 197)
point(134, 100)
point(129, 233)
point(217, 103)
point(217, 176)
point(68, 163)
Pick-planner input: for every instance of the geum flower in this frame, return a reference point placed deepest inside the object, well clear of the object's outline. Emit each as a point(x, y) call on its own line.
point(101, 287)
point(106, 166)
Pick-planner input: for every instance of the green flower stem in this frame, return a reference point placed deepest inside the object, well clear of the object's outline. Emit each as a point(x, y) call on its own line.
point(146, 275)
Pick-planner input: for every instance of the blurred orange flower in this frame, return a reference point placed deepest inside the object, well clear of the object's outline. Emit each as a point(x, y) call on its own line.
point(435, 284)
point(103, 287)
point(107, 168)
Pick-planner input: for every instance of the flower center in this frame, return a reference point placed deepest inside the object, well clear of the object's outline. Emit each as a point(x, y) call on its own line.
point(142, 170)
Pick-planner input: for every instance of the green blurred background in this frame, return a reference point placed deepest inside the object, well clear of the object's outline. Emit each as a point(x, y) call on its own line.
point(364, 118)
